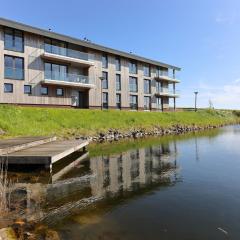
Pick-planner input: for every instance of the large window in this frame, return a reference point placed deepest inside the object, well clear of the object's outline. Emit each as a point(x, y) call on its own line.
point(55, 71)
point(133, 102)
point(13, 67)
point(118, 101)
point(55, 46)
point(147, 103)
point(147, 86)
point(158, 87)
point(105, 100)
point(133, 86)
point(8, 87)
point(13, 40)
point(146, 71)
point(159, 103)
point(133, 67)
point(105, 80)
point(118, 64)
point(104, 61)
point(118, 82)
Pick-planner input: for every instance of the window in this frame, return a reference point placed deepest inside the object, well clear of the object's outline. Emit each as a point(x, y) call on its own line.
point(133, 86)
point(44, 90)
point(105, 100)
point(27, 89)
point(147, 86)
point(13, 40)
point(118, 82)
point(118, 64)
point(55, 71)
point(8, 87)
point(118, 101)
point(13, 67)
point(147, 103)
point(59, 92)
point(162, 72)
point(105, 80)
point(146, 71)
point(158, 87)
point(133, 102)
point(104, 61)
point(133, 67)
point(159, 103)
point(55, 47)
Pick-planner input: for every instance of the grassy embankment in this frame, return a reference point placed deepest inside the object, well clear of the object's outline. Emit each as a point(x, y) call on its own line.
point(26, 121)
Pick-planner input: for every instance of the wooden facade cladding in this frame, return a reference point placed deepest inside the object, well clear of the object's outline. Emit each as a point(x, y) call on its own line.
point(34, 59)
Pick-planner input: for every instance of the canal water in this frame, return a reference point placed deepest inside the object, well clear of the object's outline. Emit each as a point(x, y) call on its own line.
point(175, 187)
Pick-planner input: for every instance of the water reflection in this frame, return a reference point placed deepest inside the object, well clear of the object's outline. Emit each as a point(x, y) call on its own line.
point(91, 181)
point(134, 169)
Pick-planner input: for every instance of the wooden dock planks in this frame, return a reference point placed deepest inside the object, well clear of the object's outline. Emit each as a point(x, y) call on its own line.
point(45, 154)
point(16, 144)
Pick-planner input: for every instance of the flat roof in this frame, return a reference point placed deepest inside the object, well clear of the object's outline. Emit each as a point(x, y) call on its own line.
point(45, 33)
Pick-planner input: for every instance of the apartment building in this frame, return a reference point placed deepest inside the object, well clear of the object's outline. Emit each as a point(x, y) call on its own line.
point(43, 68)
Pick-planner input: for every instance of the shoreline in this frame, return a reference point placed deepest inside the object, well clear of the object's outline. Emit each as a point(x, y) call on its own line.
point(116, 135)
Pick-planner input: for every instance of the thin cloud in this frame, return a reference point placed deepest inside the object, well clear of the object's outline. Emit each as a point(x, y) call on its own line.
point(224, 19)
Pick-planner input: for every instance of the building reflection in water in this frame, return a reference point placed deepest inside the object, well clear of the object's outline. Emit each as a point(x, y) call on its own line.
point(134, 169)
point(122, 176)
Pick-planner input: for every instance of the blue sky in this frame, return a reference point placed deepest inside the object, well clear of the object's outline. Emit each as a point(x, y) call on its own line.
point(202, 37)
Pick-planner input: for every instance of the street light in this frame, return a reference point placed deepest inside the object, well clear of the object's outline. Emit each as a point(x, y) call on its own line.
point(196, 93)
point(101, 79)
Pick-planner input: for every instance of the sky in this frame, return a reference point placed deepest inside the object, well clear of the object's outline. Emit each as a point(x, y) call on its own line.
point(202, 37)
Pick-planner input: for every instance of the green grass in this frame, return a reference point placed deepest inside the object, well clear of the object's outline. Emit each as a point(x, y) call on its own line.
point(25, 121)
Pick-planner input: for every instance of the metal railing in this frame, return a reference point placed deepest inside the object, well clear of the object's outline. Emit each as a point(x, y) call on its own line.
point(14, 73)
point(66, 77)
point(67, 52)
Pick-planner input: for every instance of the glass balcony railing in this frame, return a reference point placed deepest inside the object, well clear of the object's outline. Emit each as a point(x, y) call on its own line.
point(167, 74)
point(167, 91)
point(14, 73)
point(66, 77)
point(67, 52)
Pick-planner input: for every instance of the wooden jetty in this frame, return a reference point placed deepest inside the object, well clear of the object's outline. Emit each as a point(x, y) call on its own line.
point(38, 150)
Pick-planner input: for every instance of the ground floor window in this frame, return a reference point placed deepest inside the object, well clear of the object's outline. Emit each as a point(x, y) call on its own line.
point(27, 89)
point(147, 103)
point(44, 90)
point(8, 87)
point(59, 92)
point(105, 100)
point(118, 101)
point(134, 102)
point(159, 103)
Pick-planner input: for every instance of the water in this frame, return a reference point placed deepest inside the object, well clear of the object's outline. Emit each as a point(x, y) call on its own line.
point(181, 187)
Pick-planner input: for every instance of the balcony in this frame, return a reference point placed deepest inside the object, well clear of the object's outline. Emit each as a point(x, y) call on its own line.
point(164, 76)
point(167, 92)
point(66, 55)
point(66, 79)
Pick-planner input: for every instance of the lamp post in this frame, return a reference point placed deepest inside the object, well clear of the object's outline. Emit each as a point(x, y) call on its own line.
point(196, 93)
point(101, 79)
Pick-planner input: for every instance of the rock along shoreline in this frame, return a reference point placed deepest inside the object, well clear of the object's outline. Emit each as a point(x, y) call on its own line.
point(116, 135)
